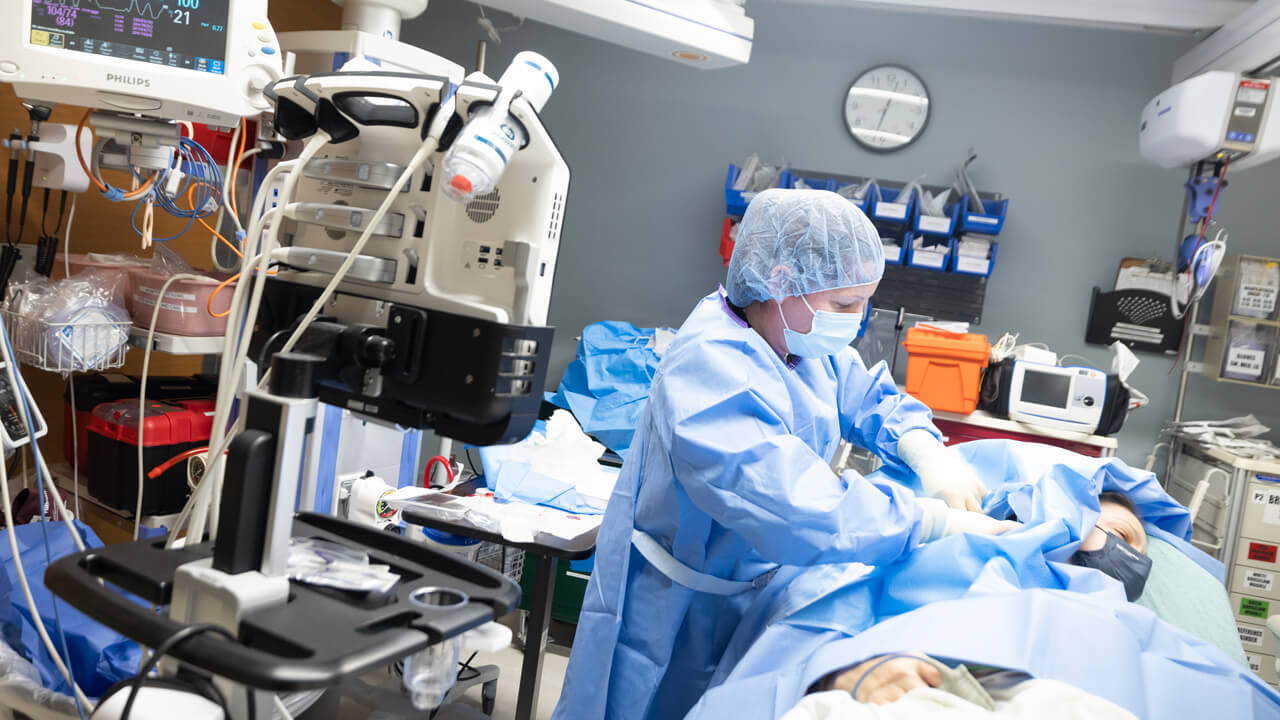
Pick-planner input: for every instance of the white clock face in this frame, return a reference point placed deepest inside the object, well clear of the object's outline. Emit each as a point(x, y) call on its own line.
point(887, 108)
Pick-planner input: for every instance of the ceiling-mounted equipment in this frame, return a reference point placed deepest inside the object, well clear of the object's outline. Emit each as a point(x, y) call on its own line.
point(1210, 118)
point(707, 34)
point(1249, 43)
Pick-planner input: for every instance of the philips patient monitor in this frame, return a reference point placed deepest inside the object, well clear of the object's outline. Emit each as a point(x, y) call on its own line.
point(199, 60)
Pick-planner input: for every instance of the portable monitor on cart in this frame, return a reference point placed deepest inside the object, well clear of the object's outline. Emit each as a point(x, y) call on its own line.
point(1063, 398)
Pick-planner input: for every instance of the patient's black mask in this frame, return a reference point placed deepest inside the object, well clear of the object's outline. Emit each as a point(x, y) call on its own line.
point(1121, 561)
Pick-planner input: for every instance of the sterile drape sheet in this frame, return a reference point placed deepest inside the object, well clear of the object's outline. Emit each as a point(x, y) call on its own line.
point(1012, 601)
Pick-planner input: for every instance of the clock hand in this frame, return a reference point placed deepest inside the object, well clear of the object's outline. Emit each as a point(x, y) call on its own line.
point(883, 114)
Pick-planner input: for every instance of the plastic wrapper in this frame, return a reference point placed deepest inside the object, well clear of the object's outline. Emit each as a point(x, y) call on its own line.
point(904, 196)
point(1248, 352)
point(557, 466)
point(756, 176)
point(1257, 289)
point(320, 562)
point(935, 205)
point(167, 262)
point(430, 673)
point(964, 184)
point(857, 192)
point(21, 691)
point(70, 325)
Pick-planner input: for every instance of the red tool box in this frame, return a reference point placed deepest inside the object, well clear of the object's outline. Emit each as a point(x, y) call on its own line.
point(98, 388)
point(171, 428)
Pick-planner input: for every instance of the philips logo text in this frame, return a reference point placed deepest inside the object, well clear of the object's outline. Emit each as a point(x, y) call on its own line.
point(132, 80)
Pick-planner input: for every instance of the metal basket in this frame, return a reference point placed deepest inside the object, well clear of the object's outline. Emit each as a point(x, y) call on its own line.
point(67, 347)
point(506, 560)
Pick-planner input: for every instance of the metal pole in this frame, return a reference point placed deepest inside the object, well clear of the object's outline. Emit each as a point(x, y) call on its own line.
point(1191, 343)
point(535, 641)
point(481, 50)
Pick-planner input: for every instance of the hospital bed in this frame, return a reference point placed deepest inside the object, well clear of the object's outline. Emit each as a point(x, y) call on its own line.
point(1012, 602)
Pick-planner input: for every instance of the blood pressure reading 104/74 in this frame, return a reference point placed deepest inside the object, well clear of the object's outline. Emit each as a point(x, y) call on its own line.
point(189, 34)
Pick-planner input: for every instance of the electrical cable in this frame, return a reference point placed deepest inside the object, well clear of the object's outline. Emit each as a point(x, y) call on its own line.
point(165, 648)
point(11, 377)
point(26, 591)
point(1180, 313)
point(142, 393)
point(281, 710)
point(235, 351)
point(93, 172)
point(71, 382)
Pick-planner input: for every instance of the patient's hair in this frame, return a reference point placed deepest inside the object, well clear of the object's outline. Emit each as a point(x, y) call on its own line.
point(1119, 498)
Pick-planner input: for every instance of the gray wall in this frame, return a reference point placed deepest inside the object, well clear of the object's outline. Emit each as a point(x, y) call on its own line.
point(1051, 110)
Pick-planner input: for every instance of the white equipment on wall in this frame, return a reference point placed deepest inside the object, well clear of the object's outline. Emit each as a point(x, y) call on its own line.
point(705, 34)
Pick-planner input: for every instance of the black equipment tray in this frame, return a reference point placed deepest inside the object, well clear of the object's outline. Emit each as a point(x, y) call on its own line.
point(316, 639)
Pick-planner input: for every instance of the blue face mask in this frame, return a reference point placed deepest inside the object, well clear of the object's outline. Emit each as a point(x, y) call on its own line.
point(830, 332)
point(1121, 561)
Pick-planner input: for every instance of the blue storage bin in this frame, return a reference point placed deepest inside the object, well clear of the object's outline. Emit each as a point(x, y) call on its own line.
point(972, 266)
point(735, 201)
point(943, 226)
point(889, 209)
point(897, 239)
point(988, 223)
point(937, 257)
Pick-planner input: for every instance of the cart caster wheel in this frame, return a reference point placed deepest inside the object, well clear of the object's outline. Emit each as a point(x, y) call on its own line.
point(489, 697)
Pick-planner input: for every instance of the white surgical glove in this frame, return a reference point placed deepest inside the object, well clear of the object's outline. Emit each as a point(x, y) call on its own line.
point(940, 521)
point(944, 474)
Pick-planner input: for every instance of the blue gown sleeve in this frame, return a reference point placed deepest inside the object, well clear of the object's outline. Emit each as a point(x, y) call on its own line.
point(733, 453)
point(874, 413)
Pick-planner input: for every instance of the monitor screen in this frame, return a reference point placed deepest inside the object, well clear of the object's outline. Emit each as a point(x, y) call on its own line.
point(1043, 388)
point(189, 34)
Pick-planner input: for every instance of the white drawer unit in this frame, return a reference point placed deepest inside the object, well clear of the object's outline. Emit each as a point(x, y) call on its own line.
point(1238, 522)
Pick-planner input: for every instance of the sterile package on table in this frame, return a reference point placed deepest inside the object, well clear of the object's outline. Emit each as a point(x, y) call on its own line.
point(515, 521)
point(557, 465)
point(320, 562)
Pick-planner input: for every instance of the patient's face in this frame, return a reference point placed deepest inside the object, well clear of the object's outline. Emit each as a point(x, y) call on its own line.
point(1118, 521)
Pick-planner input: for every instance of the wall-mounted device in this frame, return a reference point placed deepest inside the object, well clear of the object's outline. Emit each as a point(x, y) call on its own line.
point(198, 60)
point(1211, 117)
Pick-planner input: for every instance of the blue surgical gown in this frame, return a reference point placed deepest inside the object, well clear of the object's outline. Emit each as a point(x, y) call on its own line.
point(730, 471)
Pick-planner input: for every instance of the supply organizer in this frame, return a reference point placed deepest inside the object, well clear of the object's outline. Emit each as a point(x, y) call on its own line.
point(1237, 520)
point(735, 204)
point(1244, 331)
point(935, 266)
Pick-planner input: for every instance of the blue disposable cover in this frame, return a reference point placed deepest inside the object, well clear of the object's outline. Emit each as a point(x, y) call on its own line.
point(1010, 601)
point(99, 657)
point(607, 383)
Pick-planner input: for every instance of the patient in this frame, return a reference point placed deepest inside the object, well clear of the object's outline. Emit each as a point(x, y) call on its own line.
point(1117, 546)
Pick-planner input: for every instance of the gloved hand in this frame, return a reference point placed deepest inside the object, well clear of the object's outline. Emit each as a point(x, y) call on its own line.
point(940, 521)
point(943, 473)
